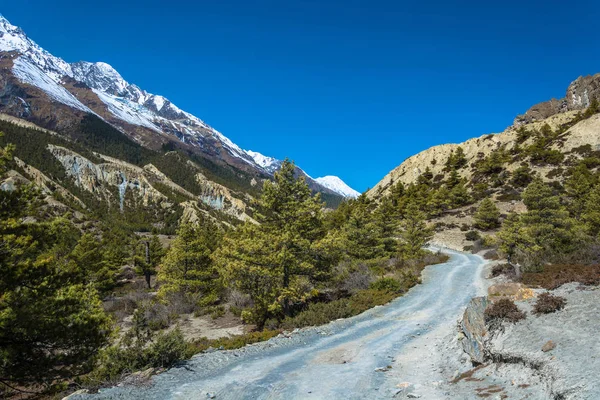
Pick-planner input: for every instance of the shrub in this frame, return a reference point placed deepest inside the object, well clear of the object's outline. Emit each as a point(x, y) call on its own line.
point(503, 310)
point(235, 311)
point(548, 303)
point(167, 349)
point(370, 298)
point(217, 312)
point(354, 277)
point(387, 285)
point(554, 276)
point(472, 236)
point(503, 269)
point(491, 255)
point(122, 358)
point(318, 314)
point(233, 342)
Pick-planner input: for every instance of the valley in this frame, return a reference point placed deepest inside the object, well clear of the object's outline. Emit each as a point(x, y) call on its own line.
point(145, 255)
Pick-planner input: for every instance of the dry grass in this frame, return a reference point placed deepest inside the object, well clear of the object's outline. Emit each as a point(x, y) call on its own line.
point(554, 276)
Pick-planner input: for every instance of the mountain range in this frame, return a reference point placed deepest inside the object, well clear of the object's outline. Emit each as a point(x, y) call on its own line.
point(71, 99)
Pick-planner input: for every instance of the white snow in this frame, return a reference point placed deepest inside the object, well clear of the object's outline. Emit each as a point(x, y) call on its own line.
point(31, 74)
point(159, 102)
point(337, 185)
point(127, 111)
point(269, 164)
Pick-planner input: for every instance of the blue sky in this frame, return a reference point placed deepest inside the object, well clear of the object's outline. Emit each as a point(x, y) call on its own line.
point(348, 88)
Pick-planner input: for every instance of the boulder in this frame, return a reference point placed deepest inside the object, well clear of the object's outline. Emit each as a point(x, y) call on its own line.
point(474, 329)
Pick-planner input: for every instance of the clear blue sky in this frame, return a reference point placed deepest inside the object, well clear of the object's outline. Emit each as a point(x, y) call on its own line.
point(348, 88)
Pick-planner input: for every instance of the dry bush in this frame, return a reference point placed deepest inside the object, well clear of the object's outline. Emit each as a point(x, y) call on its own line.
point(351, 277)
point(238, 299)
point(491, 255)
point(181, 303)
point(554, 276)
point(503, 269)
point(548, 303)
point(503, 310)
point(124, 306)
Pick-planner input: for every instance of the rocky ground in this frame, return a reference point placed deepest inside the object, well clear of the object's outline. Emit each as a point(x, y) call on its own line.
point(548, 356)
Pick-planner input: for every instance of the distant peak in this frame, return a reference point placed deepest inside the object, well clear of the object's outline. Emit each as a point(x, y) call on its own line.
point(337, 185)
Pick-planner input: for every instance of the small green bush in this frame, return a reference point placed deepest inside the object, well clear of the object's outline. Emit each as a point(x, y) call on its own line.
point(234, 342)
point(387, 284)
point(472, 236)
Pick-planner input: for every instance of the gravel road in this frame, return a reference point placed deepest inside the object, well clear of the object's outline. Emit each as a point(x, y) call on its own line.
point(392, 351)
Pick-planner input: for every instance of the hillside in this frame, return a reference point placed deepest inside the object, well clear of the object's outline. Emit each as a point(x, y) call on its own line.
point(549, 141)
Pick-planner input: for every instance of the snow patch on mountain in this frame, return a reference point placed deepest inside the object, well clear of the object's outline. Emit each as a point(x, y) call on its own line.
point(337, 185)
point(32, 75)
point(269, 164)
point(125, 111)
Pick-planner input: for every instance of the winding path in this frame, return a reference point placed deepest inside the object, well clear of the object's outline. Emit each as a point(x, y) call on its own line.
point(346, 359)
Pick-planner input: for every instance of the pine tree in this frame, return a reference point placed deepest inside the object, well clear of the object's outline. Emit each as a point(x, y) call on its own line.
point(414, 232)
point(487, 215)
point(591, 212)
point(363, 233)
point(51, 322)
point(545, 230)
point(277, 262)
point(459, 195)
point(578, 186)
point(187, 267)
point(90, 260)
point(386, 217)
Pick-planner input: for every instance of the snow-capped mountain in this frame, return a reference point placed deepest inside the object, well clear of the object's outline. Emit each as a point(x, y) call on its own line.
point(337, 185)
point(98, 88)
point(333, 183)
point(269, 164)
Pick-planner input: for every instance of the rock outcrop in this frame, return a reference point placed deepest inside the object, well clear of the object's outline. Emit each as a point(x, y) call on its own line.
point(473, 328)
point(578, 97)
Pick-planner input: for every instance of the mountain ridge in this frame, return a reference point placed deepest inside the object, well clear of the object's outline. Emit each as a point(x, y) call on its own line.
point(119, 102)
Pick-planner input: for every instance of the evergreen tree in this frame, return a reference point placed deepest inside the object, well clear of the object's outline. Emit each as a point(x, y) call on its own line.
point(459, 195)
point(187, 267)
point(591, 212)
point(277, 262)
point(51, 322)
point(578, 186)
point(89, 258)
point(386, 218)
point(545, 230)
point(363, 233)
point(414, 232)
point(487, 215)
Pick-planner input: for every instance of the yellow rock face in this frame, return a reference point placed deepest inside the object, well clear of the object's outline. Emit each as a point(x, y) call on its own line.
point(510, 290)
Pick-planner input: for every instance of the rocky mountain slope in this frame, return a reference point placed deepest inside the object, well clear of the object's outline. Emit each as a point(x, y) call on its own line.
point(556, 114)
point(43, 89)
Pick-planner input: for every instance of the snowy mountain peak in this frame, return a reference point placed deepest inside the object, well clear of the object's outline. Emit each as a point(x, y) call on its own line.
point(99, 76)
point(269, 164)
point(337, 185)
